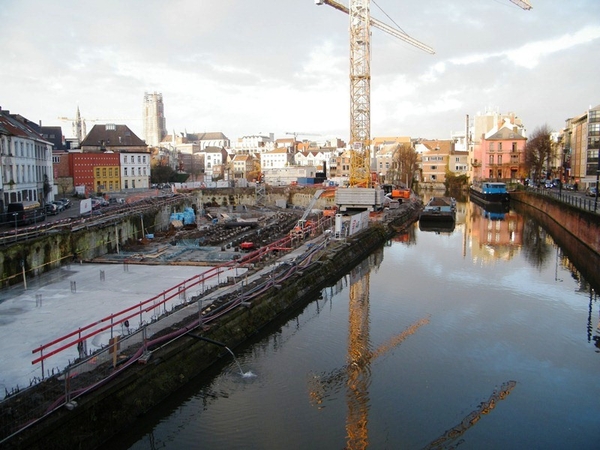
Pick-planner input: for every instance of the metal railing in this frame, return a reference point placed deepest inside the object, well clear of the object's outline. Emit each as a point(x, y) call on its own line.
point(24, 233)
point(577, 199)
point(128, 346)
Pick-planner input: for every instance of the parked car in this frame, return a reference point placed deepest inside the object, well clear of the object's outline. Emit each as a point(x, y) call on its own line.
point(66, 202)
point(61, 202)
point(101, 200)
point(51, 209)
point(96, 204)
point(59, 205)
point(591, 191)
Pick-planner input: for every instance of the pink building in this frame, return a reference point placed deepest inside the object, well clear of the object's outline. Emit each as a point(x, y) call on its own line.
point(500, 155)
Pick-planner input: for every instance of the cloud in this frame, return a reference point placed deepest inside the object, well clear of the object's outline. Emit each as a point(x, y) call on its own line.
point(530, 54)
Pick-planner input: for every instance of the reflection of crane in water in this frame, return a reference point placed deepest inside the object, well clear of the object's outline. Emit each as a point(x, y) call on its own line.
point(356, 374)
point(448, 438)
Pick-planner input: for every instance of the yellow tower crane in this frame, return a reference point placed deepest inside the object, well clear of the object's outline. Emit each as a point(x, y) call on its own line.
point(360, 80)
point(360, 83)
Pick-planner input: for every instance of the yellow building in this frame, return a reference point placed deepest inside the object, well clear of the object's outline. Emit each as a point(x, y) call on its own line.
point(107, 178)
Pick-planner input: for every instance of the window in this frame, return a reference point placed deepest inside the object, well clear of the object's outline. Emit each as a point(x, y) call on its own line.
point(491, 159)
point(125, 159)
point(491, 146)
point(139, 159)
point(499, 146)
point(514, 147)
point(499, 159)
point(433, 167)
point(55, 159)
point(98, 173)
point(125, 173)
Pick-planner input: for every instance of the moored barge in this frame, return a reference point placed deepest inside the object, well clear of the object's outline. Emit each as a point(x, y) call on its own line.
point(490, 191)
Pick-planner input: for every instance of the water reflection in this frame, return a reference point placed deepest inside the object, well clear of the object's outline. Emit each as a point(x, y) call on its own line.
point(528, 327)
point(493, 234)
point(356, 374)
point(447, 441)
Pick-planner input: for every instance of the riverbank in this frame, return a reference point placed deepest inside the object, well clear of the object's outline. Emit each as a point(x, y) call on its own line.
point(574, 230)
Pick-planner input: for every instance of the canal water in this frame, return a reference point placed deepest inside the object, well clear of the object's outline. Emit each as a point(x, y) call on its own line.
point(481, 335)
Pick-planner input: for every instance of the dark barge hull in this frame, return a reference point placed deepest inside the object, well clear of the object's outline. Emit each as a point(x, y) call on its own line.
point(436, 226)
point(490, 198)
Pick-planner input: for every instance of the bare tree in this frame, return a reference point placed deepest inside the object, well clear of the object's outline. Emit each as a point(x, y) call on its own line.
point(404, 165)
point(538, 152)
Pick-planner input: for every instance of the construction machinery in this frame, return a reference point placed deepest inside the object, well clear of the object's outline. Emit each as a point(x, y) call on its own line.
point(304, 226)
point(360, 178)
point(360, 83)
point(524, 4)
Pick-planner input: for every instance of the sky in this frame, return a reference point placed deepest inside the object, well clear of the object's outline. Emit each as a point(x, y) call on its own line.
point(282, 66)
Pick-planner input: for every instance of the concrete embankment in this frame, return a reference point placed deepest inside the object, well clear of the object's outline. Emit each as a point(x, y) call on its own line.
point(115, 404)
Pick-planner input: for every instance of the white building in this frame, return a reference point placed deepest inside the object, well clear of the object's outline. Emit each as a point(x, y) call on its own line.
point(287, 175)
point(135, 170)
point(214, 161)
point(26, 161)
point(255, 144)
point(276, 159)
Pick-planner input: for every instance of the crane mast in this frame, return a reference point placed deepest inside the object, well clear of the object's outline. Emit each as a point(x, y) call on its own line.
point(360, 93)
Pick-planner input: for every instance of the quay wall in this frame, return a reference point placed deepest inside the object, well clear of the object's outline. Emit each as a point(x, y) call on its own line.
point(100, 236)
point(90, 239)
point(577, 232)
point(581, 224)
point(99, 415)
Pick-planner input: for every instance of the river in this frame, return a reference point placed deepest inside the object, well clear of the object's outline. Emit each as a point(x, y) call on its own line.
point(484, 336)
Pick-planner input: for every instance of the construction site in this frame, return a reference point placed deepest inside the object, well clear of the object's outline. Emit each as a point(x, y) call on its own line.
point(262, 264)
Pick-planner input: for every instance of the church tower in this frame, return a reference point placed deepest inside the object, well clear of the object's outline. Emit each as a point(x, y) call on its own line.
point(155, 128)
point(79, 130)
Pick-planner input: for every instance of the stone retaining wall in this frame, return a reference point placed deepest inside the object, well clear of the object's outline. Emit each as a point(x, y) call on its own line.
point(583, 225)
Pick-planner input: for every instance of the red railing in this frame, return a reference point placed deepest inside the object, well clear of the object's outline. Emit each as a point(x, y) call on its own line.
point(108, 322)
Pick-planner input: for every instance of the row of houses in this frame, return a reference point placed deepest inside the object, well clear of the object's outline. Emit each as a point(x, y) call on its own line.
point(36, 163)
